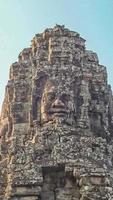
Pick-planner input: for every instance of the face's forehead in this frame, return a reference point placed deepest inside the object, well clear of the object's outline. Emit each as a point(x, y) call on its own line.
point(58, 86)
point(58, 80)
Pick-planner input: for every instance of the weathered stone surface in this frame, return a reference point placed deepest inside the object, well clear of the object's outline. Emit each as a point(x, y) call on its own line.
point(56, 124)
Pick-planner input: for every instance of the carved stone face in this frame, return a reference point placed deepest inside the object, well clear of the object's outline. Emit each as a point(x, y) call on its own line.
point(57, 103)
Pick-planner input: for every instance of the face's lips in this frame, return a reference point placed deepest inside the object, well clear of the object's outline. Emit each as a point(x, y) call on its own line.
point(58, 111)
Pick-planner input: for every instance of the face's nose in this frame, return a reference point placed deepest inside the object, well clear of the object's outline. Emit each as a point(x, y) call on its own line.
point(58, 103)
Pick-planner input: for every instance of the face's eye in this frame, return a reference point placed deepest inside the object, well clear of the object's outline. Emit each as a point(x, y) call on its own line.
point(51, 96)
point(65, 97)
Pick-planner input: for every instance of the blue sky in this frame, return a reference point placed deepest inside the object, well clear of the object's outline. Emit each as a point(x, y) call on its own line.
point(20, 20)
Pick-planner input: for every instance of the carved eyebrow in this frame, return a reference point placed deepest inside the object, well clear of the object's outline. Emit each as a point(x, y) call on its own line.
point(65, 94)
point(51, 92)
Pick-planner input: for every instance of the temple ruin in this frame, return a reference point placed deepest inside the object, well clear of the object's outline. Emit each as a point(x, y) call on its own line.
point(56, 124)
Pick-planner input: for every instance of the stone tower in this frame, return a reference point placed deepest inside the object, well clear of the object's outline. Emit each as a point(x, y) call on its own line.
point(56, 124)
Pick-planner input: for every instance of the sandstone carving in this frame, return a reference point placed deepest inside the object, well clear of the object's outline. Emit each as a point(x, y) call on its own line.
point(56, 124)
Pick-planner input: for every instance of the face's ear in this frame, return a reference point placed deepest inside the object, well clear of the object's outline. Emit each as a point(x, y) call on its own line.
point(40, 81)
point(38, 88)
